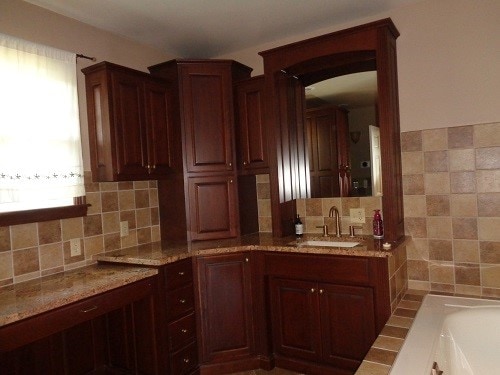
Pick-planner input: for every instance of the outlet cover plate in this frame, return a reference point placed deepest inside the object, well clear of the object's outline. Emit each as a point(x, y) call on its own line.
point(357, 215)
point(75, 246)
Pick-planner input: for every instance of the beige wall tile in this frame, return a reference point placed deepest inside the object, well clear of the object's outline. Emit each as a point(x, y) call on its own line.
point(93, 245)
point(141, 198)
point(264, 206)
point(94, 199)
point(460, 136)
point(153, 197)
point(131, 239)
point(486, 135)
point(438, 205)
point(125, 185)
point(412, 162)
point(411, 141)
point(437, 183)
point(265, 224)
point(4, 239)
point(109, 201)
point(413, 184)
point(465, 251)
point(463, 182)
point(489, 252)
point(415, 205)
point(463, 205)
point(418, 249)
point(144, 235)
point(312, 222)
point(464, 228)
point(110, 222)
point(49, 232)
point(314, 207)
point(327, 203)
point(155, 233)
point(155, 215)
point(347, 204)
point(441, 250)
point(467, 274)
point(488, 181)
point(488, 228)
point(112, 241)
point(434, 139)
point(416, 227)
point(25, 261)
point(24, 235)
point(488, 204)
point(490, 275)
point(439, 227)
point(141, 184)
point(109, 186)
point(143, 217)
point(436, 161)
point(462, 160)
point(418, 270)
point(51, 256)
point(72, 228)
point(6, 267)
point(92, 225)
point(442, 273)
point(488, 158)
point(468, 290)
point(130, 217)
point(262, 178)
point(126, 199)
point(264, 190)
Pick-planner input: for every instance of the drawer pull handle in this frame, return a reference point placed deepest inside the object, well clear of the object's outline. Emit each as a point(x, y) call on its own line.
point(184, 330)
point(181, 273)
point(88, 309)
point(186, 360)
point(182, 301)
point(247, 260)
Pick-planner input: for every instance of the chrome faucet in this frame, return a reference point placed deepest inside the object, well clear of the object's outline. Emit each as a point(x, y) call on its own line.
point(338, 230)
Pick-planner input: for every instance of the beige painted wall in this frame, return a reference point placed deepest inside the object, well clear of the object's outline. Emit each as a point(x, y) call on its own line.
point(448, 61)
point(26, 21)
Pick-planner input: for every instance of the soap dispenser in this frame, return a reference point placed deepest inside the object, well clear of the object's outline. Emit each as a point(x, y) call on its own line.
point(378, 226)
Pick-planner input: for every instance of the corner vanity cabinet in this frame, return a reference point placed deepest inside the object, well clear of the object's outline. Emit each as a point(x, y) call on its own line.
point(130, 124)
point(200, 200)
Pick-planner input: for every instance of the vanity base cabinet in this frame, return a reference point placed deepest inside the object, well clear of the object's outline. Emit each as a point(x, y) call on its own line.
point(325, 311)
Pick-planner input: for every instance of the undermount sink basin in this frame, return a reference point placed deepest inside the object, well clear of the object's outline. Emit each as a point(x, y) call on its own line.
point(329, 243)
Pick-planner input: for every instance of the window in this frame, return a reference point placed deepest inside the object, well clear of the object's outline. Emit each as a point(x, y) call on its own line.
point(40, 146)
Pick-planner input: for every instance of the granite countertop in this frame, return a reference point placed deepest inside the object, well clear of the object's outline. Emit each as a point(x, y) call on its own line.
point(23, 300)
point(158, 254)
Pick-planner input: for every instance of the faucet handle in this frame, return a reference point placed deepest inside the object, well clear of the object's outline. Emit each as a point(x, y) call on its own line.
point(352, 229)
point(325, 229)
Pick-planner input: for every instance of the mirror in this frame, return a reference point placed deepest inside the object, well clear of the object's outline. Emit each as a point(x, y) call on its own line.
point(287, 71)
point(353, 97)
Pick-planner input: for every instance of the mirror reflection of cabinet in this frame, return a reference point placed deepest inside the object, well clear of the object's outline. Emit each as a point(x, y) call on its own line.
point(363, 48)
point(328, 152)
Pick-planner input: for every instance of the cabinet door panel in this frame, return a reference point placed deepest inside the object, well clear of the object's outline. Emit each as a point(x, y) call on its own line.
point(347, 318)
point(129, 125)
point(208, 121)
point(224, 284)
point(295, 319)
point(212, 206)
point(160, 128)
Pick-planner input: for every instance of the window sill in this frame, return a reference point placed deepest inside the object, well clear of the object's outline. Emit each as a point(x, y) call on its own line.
point(42, 214)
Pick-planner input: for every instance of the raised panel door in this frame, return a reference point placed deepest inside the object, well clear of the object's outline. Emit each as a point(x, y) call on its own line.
point(213, 207)
point(208, 120)
point(250, 128)
point(226, 314)
point(348, 324)
point(129, 125)
point(295, 318)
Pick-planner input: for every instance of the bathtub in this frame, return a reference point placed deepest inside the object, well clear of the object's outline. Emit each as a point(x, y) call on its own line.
point(460, 336)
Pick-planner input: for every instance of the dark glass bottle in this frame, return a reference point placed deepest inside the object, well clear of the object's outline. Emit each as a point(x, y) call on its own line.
point(299, 227)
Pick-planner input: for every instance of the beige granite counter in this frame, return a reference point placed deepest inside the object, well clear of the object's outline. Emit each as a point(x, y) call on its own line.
point(157, 254)
point(23, 300)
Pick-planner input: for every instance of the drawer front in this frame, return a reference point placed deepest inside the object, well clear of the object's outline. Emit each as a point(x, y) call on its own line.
point(178, 274)
point(335, 269)
point(180, 302)
point(181, 332)
point(185, 360)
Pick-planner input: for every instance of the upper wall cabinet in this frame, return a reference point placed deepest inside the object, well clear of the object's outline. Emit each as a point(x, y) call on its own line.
point(130, 125)
point(251, 133)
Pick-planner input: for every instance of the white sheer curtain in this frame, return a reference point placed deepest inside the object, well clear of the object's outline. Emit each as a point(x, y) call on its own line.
point(40, 147)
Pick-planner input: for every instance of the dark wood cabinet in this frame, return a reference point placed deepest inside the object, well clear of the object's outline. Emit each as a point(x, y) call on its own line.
point(251, 134)
point(325, 311)
point(199, 201)
point(130, 124)
point(213, 207)
point(113, 332)
point(225, 312)
point(180, 344)
point(336, 322)
point(328, 152)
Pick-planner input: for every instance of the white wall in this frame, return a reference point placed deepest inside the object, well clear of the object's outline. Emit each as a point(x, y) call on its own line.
point(448, 61)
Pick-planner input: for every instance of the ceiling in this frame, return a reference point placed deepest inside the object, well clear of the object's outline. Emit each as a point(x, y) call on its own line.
point(210, 28)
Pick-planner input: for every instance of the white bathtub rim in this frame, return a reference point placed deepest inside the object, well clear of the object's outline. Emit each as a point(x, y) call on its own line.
point(416, 355)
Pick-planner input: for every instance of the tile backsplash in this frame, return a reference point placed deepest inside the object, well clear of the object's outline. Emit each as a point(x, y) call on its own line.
point(32, 250)
point(451, 183)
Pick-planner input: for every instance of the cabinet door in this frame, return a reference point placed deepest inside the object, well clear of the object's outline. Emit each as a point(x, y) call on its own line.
point(250, 128)
point(129, 126)
point(225, 295)
point(208, 119)
point(212, 207)
point(158, 115)
point(348, 325)
point(295, 318)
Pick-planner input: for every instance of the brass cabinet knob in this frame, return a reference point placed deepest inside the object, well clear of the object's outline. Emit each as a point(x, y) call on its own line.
point(186, 360)
point(313, 290)
point(321, 291)
point(247, 260)
point(184, 330)
point(182, 301)
point(181, 273)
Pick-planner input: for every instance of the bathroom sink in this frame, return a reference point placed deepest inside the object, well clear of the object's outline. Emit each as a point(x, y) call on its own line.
point(329, 243)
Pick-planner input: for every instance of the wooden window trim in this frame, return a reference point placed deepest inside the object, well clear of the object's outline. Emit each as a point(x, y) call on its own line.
point(43, 214)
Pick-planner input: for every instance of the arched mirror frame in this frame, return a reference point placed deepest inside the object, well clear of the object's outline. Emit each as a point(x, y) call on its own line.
point(284, 116)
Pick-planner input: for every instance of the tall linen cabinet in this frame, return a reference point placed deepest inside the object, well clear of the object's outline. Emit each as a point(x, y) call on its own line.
point(199, 201)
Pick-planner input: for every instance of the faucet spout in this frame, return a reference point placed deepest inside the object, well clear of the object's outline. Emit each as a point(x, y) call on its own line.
point(334, 212)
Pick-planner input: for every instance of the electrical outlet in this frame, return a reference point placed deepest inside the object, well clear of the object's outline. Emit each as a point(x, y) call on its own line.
point(75, 246)
point(357, 215)
point(123, 228)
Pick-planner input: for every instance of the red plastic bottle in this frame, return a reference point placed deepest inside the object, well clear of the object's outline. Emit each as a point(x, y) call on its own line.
point(378, 225)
